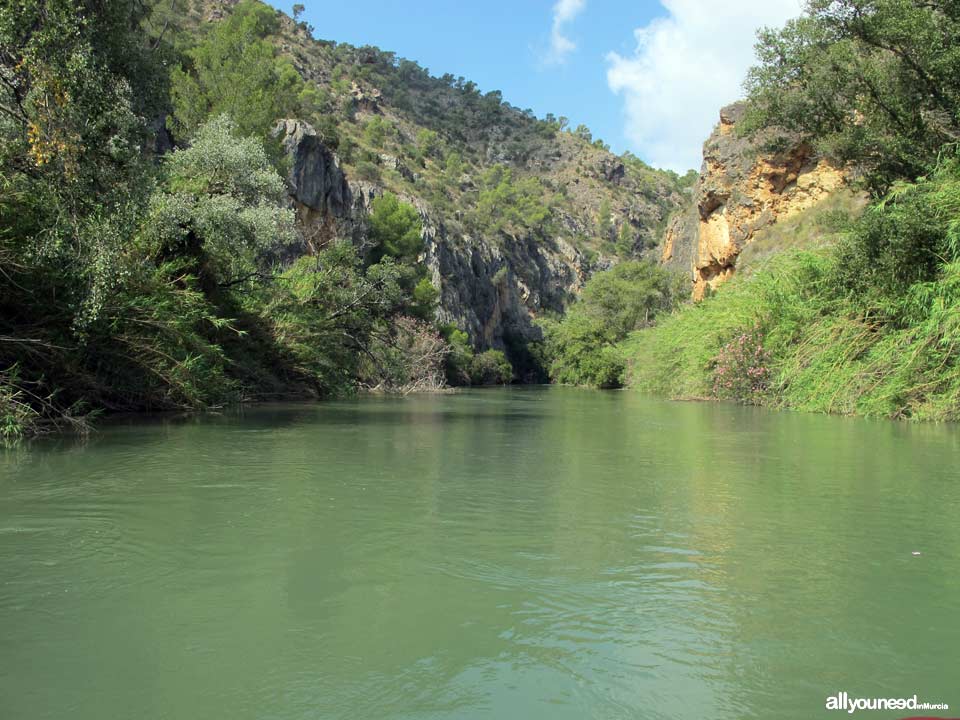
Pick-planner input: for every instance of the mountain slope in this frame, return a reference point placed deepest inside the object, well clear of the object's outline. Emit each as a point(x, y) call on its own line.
point(517, 212)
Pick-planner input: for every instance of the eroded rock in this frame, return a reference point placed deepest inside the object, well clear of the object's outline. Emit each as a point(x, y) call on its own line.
point(742, 189)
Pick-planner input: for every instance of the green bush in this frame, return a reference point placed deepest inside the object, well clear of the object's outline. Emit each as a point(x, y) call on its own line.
point(17, 416)
point(459, 360)
point(507, 204)
point(376, 132)
point(367, 170)
point(395, 228)
point(581, 348)
point(904, 239)
point(423, 302)
point(490, 367)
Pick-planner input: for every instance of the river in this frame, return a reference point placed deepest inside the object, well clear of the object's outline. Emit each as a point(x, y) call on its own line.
point(506, 553)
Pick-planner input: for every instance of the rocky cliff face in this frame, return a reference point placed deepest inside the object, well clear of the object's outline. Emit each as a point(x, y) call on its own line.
point(742, 189)
point(440, 144)
point(491, 288)
point(319, 191)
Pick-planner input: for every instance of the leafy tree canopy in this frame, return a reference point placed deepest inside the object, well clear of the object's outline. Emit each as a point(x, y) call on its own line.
point(871, 81)
point(395, 228)
point(223, 197)
point(235, 70)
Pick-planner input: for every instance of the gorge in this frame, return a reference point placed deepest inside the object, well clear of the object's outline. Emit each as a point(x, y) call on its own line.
point(333, 388)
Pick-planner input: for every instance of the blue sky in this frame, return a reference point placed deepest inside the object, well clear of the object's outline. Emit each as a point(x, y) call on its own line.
point(645, 75)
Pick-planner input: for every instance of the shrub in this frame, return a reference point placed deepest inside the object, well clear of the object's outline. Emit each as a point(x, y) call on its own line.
point(395, 228)
point(506, 204)
point(491, 367)
point(580, 348)
point(17, 416)
point(742, 369)
point(366, 170)
point(423, 303)
point(459, 360)
point(375, 132)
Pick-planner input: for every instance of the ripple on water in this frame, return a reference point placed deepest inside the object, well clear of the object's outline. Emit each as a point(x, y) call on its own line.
point(567, 555)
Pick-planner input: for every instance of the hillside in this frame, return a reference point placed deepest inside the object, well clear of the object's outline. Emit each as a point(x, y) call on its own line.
point(517, 211)
point(203, 204)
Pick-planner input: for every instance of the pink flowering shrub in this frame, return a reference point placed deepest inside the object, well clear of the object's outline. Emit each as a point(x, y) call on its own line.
point(741, 369)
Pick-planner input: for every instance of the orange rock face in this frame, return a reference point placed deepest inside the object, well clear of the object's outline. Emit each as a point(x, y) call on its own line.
point(741, 190)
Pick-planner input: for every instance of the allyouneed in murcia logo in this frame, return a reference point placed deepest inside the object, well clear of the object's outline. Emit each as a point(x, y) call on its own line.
point(843, 701)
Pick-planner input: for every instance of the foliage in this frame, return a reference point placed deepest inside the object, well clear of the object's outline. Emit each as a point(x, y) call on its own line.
point(375, 132)
point(490, 367)
point(605, 221)
point(395, 228)
point(428, 142)
point(580, 348)
point(17, 416)
point(453, 167)
point(235, 71)
point(906, 238)
point(838, 336)
point(133, 277)
point(423, 301)
point(508, 204)
point(223, 202)
point(77, 79)
point(626, 241)
point(322, 311)
point(465, 367)
point(740, 369)
point(460, 358)
point(871, 81)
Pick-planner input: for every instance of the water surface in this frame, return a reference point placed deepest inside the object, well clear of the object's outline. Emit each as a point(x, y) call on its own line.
point(517, 553)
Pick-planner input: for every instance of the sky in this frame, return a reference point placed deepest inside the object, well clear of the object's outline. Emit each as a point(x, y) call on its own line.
point(648, 76)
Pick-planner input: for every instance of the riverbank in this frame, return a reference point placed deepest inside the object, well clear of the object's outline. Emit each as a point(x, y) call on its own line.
point(781, 339)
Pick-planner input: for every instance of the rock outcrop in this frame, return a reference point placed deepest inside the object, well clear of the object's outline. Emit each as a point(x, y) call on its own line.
point(318, 188)
point(491, 287)
point(495, 291)
point(742, 189)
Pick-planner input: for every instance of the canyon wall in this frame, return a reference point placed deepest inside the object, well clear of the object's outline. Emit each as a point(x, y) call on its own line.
point(742, 188)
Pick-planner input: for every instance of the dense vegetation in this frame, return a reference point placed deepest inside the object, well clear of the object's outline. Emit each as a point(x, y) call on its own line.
point(156, 265)
point(149, 257)
point(875, 82)
point(134, 282)
point(582, 347)
point(867, 322)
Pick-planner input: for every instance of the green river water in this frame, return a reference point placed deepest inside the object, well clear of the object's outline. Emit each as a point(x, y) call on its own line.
point(515, 553)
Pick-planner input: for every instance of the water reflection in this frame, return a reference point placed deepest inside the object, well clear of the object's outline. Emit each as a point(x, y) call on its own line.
point(516, 553)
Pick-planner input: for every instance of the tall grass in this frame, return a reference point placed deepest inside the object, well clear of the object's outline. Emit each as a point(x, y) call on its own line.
point(843, 332)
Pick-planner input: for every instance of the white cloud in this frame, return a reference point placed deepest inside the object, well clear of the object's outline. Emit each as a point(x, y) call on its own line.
point(564, 11)
point(685, 68)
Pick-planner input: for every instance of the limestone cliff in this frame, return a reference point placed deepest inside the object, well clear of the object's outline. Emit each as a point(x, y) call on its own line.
point(384, 124)
point(491, 287)
point(741, 189)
